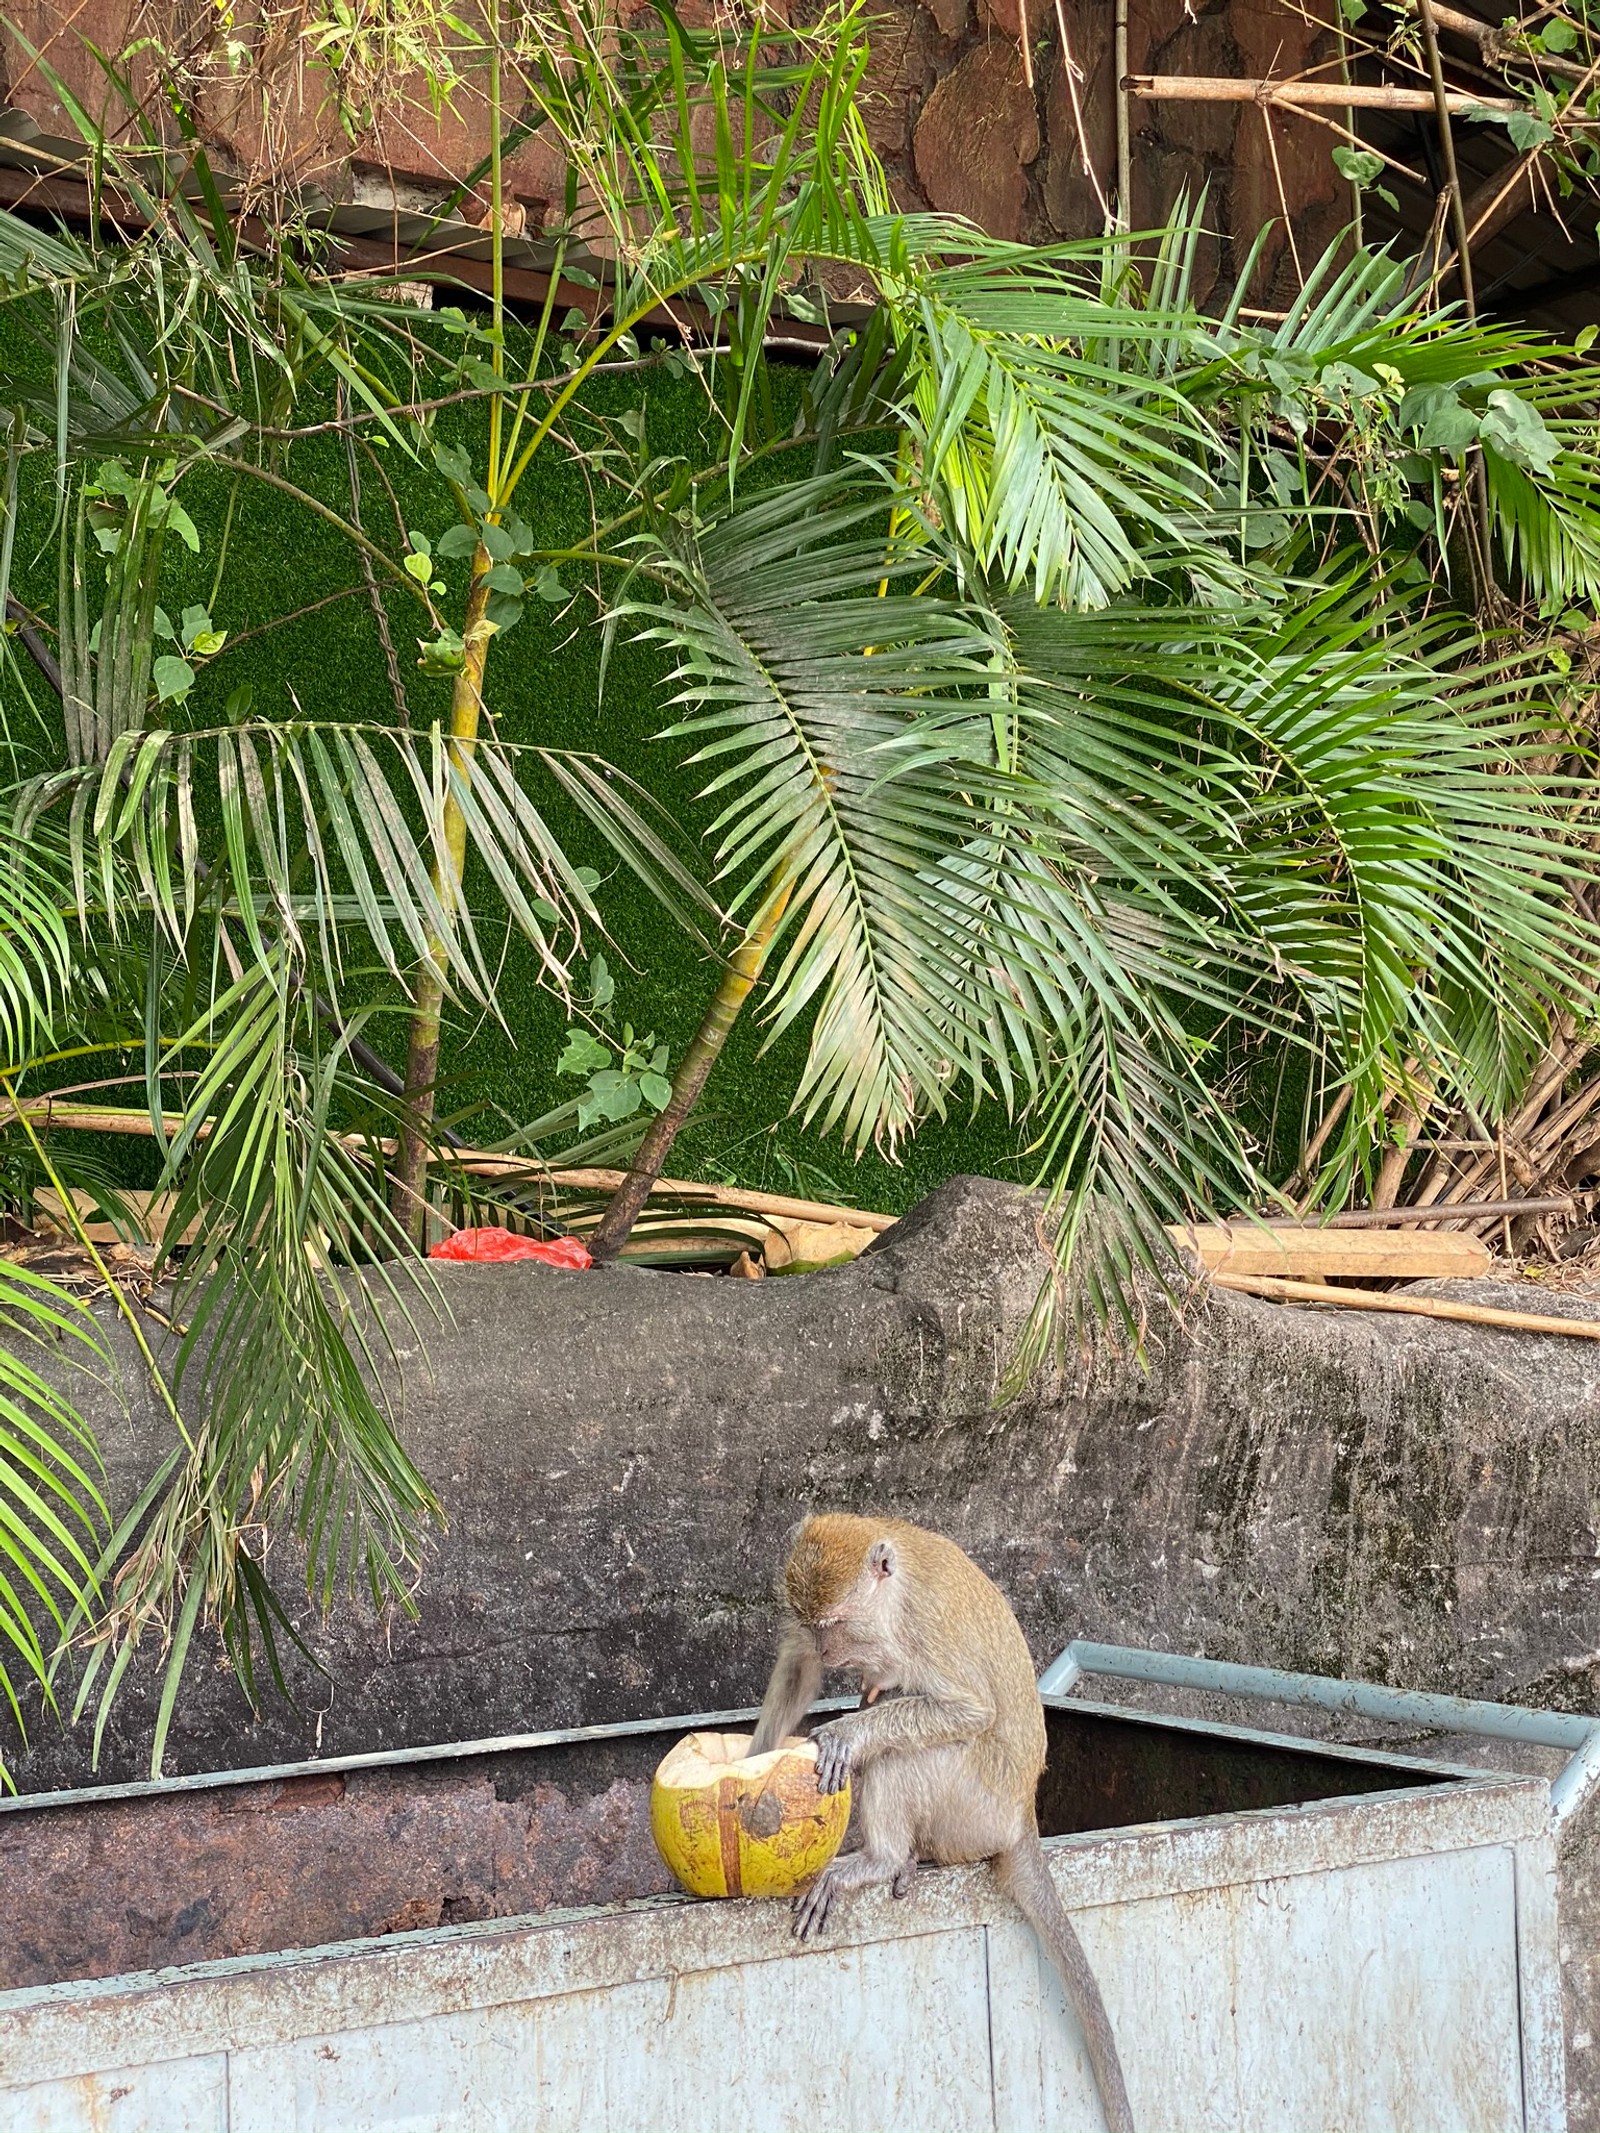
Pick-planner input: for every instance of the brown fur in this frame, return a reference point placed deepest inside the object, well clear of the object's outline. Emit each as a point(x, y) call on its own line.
point(946, 1768)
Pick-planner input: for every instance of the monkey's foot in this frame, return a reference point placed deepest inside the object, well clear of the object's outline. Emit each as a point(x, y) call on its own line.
point(905, 1875)
point(852, 1870)
point(812, 1905)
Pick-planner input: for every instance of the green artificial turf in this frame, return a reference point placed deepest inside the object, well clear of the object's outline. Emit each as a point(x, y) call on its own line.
point(543, 685)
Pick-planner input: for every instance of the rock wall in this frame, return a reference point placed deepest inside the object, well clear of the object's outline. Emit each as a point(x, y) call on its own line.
point(948, 101)
point(622, 1453)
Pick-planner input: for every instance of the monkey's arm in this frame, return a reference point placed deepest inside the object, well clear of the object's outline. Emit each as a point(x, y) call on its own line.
point(904, 1722)
point(796, 1680)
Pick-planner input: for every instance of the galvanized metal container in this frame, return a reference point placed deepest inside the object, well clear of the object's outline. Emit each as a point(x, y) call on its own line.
point(1288, 1936)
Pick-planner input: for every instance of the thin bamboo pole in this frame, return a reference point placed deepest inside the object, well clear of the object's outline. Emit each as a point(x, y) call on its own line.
point(1225, 89)
point(1346, 79)
point(1456, 1211)
point(1447, 145)
point(1124, 126)
point(477, 1163)
point(1492, 47)
point(1275, 1286)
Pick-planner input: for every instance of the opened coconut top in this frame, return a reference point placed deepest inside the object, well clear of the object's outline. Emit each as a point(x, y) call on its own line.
point(701, 1758)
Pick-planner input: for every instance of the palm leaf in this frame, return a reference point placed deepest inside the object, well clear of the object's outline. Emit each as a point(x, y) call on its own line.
point(52, 1514)
point(805, 680)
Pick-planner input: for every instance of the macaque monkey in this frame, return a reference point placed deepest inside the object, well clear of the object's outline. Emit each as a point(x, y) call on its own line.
point(948, 1767)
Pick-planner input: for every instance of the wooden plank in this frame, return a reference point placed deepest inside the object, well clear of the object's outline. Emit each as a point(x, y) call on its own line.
point(1243, 1248)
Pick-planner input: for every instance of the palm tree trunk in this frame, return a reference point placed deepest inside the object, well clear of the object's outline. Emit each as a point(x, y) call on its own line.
point(408, 1196)
point(738, 981)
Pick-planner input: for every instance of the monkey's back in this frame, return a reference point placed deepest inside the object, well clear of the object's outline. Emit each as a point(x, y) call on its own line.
point(973, 1639)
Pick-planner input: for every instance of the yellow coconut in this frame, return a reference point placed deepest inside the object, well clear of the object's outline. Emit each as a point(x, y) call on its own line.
point(730, 1823)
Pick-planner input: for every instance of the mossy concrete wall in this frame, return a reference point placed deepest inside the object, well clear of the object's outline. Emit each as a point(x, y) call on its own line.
point(621, 1455)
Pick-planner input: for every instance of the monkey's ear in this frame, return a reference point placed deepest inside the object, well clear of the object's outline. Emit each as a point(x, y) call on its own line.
point(881, 1559)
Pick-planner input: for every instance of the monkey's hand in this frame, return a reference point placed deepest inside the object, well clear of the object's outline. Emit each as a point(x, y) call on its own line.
point(833, 1756)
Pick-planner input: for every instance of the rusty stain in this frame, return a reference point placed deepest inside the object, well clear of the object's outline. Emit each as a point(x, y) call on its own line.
point(414, 1915)
point(120, 1885)
point(281, 1795)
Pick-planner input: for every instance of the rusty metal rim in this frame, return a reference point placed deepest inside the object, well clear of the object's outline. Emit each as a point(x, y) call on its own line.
point(390, 1758)
point(691, 1722)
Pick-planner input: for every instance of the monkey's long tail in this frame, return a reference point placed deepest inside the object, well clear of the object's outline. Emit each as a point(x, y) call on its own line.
point(1023, 1874)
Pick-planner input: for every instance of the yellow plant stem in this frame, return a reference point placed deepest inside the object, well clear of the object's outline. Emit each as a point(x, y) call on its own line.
point(409, 1200)
point(738, 981)
point(497, 242)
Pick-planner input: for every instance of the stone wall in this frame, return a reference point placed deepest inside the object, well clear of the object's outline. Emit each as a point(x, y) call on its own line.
point(948, 103)
point(622, 1453)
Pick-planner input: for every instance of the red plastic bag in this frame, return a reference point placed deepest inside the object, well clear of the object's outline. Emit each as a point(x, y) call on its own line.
point(499, 1245)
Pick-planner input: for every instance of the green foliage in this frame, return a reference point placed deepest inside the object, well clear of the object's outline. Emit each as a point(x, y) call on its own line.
point(1069, 669)
point(53, 1519)
point(1363, 169)
point(623, 1073)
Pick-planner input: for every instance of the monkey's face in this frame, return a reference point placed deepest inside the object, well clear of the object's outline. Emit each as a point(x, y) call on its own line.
point(845, 1638)
point(841, 1585)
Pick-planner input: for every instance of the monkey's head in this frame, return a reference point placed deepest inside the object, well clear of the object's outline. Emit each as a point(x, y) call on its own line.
point(839, 1581)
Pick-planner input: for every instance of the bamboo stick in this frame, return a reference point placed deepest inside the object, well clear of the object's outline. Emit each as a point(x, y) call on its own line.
point(88, 1118)
point(1473, 26)
point(1226, 89)
point(1411, 1306)
point(1447, 144)
point(1319, 1140)
point(1442, 1211)
point(1124, 127)
point(479, 1163)
point(729, 1196)
point(1493, 47)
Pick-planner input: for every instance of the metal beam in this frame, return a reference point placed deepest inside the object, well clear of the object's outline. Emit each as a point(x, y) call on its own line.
point(1570, 1730)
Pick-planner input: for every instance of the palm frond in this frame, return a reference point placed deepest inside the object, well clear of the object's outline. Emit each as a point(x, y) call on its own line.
point(53, 1517)
point(805, 670)
point(289, 1290)
point(1057, 469)
point(326, 827)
